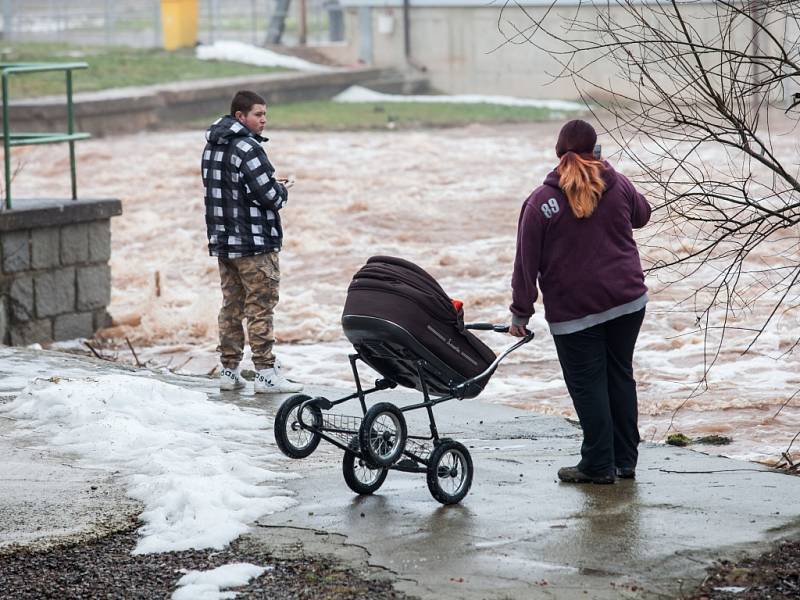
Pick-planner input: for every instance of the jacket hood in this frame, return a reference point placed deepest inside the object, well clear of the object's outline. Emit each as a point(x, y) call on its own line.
point(609, 176)
point(226, 128)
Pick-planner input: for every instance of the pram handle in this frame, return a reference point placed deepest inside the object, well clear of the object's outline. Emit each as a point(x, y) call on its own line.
point(462, 387)
point(502, 328)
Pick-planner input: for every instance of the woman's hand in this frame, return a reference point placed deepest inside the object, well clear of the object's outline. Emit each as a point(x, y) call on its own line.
point(517, 331)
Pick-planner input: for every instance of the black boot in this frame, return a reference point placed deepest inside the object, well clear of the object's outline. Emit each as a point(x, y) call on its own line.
point(626, 472)
point(575, 475)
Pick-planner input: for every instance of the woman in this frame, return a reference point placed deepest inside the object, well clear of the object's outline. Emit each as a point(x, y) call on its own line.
point(575, 234)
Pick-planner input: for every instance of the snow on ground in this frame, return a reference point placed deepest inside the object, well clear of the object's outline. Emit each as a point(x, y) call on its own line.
point(357, 93)
point(200, 468)
point(207, 585)
point(254, 55)
point(445, 199)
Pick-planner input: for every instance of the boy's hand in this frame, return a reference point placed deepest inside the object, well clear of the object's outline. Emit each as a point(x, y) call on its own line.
point(286, 181)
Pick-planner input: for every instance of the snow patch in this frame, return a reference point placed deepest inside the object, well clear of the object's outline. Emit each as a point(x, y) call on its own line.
point(253, 55)
point(357, 93)
point(199, 467)
point(208, 585)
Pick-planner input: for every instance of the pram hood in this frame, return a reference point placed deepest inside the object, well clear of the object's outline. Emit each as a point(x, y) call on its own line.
point(401, 293)
point(400, 276)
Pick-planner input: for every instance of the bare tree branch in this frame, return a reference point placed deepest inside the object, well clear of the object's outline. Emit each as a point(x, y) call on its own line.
point(697, 96)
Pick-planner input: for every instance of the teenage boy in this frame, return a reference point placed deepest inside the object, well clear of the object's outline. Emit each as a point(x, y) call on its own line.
point(242, 199)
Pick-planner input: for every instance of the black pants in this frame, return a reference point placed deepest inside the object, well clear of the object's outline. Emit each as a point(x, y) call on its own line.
point(598, 368)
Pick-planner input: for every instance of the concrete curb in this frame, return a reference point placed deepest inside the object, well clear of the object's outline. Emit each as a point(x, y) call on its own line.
point(132, 109)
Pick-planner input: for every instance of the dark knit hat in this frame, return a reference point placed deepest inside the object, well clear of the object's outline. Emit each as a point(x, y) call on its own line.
point(576, 136)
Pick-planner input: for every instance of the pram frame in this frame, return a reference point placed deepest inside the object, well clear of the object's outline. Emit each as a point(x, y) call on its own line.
point(458, 391)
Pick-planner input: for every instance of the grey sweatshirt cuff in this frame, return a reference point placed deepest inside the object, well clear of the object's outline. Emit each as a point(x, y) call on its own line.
point(517, 320)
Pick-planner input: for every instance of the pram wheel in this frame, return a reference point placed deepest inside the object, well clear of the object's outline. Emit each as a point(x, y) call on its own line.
point(449, 472)
point(292, 439)
point(360, 477)
point(382, 435)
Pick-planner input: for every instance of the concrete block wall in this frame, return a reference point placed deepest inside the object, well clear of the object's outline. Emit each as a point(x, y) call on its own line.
point(55, 281)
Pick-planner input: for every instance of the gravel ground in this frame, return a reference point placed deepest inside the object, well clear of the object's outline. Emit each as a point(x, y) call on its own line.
point(774, 575)
point(105, 568)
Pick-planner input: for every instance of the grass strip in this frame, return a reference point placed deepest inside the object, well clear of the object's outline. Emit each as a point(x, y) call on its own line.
point(340, 116)
point(111, 67)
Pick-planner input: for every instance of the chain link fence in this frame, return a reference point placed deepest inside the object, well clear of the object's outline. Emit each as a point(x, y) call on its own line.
point(138, 22)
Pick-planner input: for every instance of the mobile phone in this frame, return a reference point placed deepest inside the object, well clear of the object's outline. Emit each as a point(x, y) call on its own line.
point(597, 151)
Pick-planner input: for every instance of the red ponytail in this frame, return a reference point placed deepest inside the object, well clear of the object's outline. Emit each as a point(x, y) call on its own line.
point(581, 180)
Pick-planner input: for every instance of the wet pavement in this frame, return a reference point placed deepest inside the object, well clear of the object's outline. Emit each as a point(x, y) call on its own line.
point(518, 534)
point(522, 534)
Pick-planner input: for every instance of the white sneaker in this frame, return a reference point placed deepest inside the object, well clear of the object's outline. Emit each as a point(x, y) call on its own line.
point(270, 381)
point(230, 379)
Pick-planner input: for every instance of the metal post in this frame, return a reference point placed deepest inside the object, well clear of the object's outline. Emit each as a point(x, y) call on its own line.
point(70, 131)
point(52, 13)
point(301, 35)
point(6, 142)
point(157, 23)
point(253, 19)
point(335, 21)
point(407, 28)
point(62, 22)
point(8, 19)
point(107, 22)
point(365, 34)
point(212, 21)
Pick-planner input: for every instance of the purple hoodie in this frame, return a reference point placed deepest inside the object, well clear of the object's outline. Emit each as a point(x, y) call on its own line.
point(588, 269)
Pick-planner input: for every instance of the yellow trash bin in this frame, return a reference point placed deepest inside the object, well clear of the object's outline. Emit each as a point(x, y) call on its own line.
point(179, 23)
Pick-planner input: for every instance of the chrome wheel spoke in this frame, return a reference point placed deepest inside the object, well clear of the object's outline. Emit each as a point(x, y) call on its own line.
point(383, 435)
point(366, 475)
point(299, 436)
point(451, 472)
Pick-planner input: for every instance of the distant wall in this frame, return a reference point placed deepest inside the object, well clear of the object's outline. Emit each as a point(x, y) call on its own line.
point(55, 281)
point(462, 50)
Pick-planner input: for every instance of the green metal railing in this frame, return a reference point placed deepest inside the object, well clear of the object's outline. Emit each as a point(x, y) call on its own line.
point(29, 139)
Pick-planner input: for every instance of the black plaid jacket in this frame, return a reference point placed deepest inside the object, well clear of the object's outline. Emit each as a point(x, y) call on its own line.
point(241, 194)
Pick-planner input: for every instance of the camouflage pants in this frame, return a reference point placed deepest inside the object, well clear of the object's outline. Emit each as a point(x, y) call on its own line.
point(249, 291)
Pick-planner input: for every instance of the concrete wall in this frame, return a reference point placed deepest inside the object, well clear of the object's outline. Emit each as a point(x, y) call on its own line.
point(55, 282)
point(464, 51)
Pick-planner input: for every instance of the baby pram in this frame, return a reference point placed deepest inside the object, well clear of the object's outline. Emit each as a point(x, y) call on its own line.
point(402, 324)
